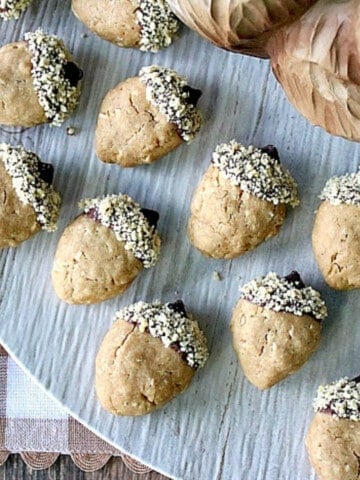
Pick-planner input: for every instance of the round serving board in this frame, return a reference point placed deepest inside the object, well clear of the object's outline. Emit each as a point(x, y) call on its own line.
point(222, 427)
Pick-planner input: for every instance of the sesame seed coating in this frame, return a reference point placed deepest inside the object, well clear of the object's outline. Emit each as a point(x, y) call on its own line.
point(24, 168)
point(257, 172)
point(158, 25)
point(174, 329)
point(56, 93)
point(281, 295)
point(11, 9)
point(124, 216)
point(344, 189)
point(340, 398)
point(170, 93)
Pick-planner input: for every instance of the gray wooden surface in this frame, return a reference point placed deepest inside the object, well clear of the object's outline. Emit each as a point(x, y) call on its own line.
point(65, 469)
point(222, 428)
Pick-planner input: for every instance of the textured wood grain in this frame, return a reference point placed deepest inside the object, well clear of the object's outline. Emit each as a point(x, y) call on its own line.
point(222, 427)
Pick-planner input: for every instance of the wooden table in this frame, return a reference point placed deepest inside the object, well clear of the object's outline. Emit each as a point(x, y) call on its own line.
point(64, 469)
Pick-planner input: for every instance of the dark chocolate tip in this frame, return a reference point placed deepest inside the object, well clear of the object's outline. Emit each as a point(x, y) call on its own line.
point(194, 95)
point(327, 411)
point(295, 279)
point(175, 346)
point(73, 73)
point(271, 151)
point(356, 379)
point(151, 216)
point(46, 172)
point(178, 307)
point(93, 214)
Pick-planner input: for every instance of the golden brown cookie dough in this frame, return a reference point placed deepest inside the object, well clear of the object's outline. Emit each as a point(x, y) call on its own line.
point(148, 357)
point(226, 222)
point(28, 203)
point(146, 24)
point(336, 232)
point(28, 69)
point(20, 104)
point(102, 251)
point(233, 211)
point(136, 123)
point(276, 327)
point(11, 9)
point(17, 220)
point(112, 21)
point(333, 439)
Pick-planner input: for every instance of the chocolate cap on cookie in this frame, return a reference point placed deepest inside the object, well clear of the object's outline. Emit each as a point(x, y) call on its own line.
point(31, 180)
point(340, 398)
point(172, 325)
point(172, 96)
point(342, 190)
point(158, 25)
point(131, 224)
point(11, 9)
point(285, 294)
point(148, 25)
point(256, 170)
point(56, 78)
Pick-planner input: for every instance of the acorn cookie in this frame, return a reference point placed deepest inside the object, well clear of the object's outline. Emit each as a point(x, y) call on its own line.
point(145, 24)
point(148, 356)
point(336, 232)
point(28, 202)
point(240, 201)
point(103, 250)
point(276, 326)
point(39, 82)
point(11, 9)
point(333, 440)
point(146, 117)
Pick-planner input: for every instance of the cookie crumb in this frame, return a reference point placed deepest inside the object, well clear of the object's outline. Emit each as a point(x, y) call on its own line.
point(55, 78)
point(24, 168)
point(342, 190)
point(158, 25)
point(216, 276)
point(254, 170)
point(125, 217)
point(340, 398)
point(170, 93)
point(174, 328)
point(71, 131)
point(11, 9)
point(281, 295)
